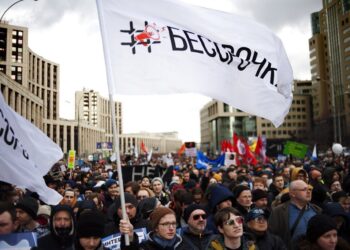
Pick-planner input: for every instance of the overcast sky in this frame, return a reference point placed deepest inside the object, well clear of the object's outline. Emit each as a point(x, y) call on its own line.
point(67, 32)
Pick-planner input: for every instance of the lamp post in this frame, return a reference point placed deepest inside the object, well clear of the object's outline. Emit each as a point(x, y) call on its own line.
point(3, 14)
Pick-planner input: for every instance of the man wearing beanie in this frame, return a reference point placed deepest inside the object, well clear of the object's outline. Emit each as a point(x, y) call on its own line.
point(26, 214)
point(195, 234)
point(90, 230)
point(256, 220)
point(114, 215)
point(62, 230)
point(322, 234)
point(162, 235)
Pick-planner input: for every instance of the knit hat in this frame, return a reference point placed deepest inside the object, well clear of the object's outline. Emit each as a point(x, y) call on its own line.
point(29, 205)
point(238, 190)
point(110, 182)
point(188, 210)
point(258, 194)
point(157, 179)
point(129, 198)
point(157, 214)
point(44, 210)
point(256, 212)
point(337, 195)
point(319, 225)
point(90, 223)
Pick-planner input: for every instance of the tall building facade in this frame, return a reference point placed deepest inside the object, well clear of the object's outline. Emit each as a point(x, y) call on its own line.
point(219, 121)
point(329, 49)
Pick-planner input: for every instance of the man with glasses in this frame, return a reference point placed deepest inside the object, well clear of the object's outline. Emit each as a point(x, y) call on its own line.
point(195, 234)
point(257, 225)
point(230, 225)
point(289, 220)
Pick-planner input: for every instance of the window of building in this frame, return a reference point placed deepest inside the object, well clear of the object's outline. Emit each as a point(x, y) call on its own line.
point(16, 73)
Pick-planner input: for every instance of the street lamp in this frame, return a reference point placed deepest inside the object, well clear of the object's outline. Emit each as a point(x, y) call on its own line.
point(3, 14)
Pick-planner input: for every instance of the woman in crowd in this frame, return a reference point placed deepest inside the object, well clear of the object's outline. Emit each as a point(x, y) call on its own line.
point(322, 234)
point(162, 236)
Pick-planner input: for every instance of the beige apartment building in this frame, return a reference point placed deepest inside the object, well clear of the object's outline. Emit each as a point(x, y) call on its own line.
point(329, 49)
point(219, 121)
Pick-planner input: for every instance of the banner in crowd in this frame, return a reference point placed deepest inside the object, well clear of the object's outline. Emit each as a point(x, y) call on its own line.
point(204, 162)
point(190, 149)
point(27, 154)
point(112, 242)
point(18, 241)
point(296, 149)
point(136, 172)
point(151, 50)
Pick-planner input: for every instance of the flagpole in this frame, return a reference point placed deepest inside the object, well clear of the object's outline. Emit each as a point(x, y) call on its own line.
point(110, 82)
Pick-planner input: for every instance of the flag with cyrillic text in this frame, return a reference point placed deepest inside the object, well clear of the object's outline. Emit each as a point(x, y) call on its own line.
point(27, 154)
point(168, 46)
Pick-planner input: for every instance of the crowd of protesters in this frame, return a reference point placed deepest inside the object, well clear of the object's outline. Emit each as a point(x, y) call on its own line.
point(290, 204)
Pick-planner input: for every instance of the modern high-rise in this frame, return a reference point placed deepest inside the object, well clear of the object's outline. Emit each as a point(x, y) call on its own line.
point(218, 121)
point(329, 49)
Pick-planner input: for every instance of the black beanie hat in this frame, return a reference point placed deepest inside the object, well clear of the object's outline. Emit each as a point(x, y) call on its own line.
point(258, 194)
point(188, 210)
point(29, 205)
point(129, 198)
point(90, 223)
point(319, 225)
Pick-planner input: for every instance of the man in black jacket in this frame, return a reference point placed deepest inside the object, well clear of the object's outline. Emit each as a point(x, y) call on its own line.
point(195, 236)
point(62, 230)
point(257, 226)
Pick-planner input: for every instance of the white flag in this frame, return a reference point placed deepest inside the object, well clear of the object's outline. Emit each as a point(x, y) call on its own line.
point(167, 46)
point(27, 154)
point(149, 156)
point(314, 153)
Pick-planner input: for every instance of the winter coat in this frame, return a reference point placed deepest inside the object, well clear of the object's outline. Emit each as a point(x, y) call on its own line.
point(246, 242)
point(197, 242)
point(150, 244)
point(305, 244)
point(52, 241)
point(268, 241)
point(279, 222)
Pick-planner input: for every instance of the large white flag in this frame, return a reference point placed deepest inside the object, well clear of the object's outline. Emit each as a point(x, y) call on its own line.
point(167, 46)
point(27, 154)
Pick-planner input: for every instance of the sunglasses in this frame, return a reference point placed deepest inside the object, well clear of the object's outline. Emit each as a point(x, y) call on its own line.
point(196, 217)
point(238, 221)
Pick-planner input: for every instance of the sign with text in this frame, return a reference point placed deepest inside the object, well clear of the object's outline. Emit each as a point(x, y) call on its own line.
point(71, 159)
point(112, 242)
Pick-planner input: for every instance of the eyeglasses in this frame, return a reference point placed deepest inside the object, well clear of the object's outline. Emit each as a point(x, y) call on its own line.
point(140, 197)
point(304, 189)
point(168, 224)
point(196, 217)
point(238, 221)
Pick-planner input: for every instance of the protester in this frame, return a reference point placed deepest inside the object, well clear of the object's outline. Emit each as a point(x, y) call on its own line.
point(230, 225)
point(322, 234)
point(8, 222)
point(69, 198)
point(195, 234)
point(90, 229)
point(243, 199)
point(289, 220)
point(157, 187)
point(162, 235)
point(62, 230)
point(257, 225)
point(115, 215)
point(26, 215)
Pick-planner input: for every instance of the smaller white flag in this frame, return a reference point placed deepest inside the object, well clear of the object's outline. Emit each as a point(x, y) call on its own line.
point(136, 151)
point(27, 154)
point(314, 153)
point(149, 156)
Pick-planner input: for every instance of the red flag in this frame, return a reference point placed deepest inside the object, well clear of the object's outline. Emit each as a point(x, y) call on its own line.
point(143, 148)
point(260, 150)
point(249, 156)
point(181, 150)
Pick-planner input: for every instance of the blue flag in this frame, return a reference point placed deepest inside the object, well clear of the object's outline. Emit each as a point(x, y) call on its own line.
point(203, 162)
